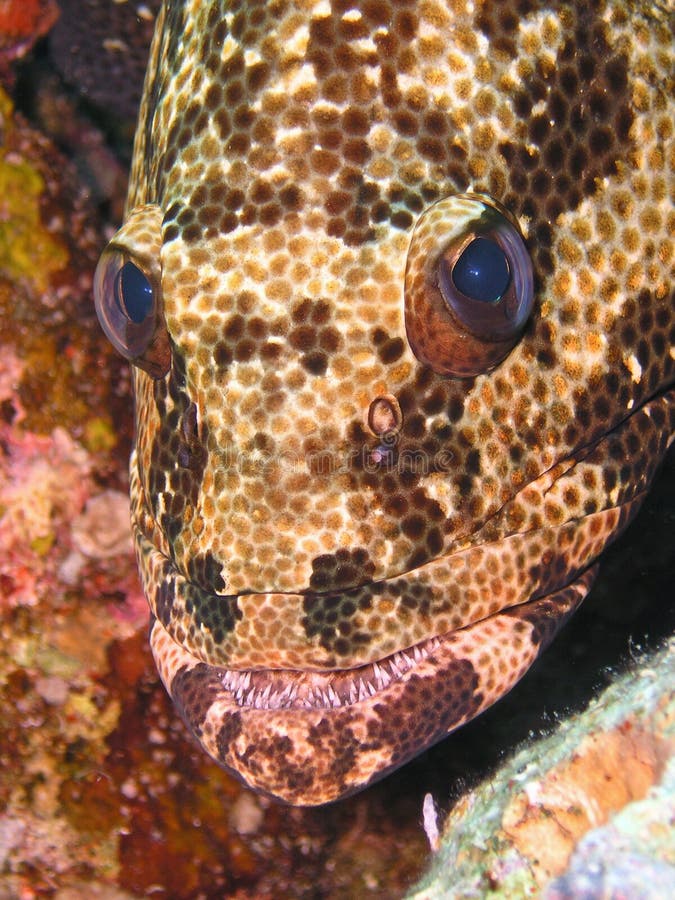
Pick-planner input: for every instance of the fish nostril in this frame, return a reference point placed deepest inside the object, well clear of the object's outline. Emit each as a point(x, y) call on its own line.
point(384, 415)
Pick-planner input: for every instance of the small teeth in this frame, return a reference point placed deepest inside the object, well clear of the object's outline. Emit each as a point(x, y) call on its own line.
point(316, 690)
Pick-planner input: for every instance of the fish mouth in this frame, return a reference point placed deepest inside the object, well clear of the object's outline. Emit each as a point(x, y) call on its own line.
point(308, 738)
point(284, 689)
point(525, 625)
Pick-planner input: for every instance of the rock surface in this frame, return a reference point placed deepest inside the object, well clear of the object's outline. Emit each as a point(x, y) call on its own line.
point(586, 812)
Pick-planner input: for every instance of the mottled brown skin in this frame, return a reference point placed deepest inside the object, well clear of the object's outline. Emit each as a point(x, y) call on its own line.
point(309, 497)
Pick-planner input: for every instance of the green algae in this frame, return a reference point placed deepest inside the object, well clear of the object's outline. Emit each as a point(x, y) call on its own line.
point(27, 249)
point(43, 544)
point(100, 435)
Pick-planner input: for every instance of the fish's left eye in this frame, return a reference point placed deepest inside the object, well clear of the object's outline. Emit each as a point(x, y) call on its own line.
point(469, 286)
point(127, 293)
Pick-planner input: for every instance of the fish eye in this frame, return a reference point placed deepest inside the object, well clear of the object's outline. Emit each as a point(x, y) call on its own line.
point(481, 271)
point(127, 296)
point(134, 295)
point(469, 286)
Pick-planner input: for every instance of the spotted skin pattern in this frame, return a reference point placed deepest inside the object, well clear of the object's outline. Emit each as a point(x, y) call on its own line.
point(348, 554)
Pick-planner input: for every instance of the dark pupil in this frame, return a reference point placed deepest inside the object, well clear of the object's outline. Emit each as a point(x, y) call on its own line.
point(133, 293)
point(482, 271)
